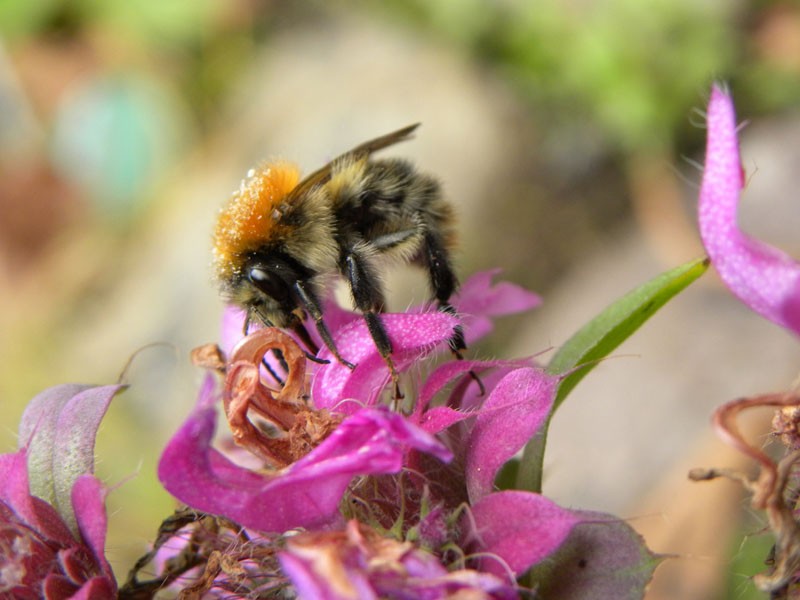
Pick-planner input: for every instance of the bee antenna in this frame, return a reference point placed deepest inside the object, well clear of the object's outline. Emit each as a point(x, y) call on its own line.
point(316, 359)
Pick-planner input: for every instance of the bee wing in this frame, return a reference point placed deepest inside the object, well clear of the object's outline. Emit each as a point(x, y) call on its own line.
point(379, 143)
point(322, 175)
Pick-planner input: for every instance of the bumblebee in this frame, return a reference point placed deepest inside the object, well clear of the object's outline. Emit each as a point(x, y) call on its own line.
point(279, 239)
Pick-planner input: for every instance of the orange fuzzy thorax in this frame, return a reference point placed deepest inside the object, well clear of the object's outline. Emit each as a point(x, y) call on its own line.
point(251, 217)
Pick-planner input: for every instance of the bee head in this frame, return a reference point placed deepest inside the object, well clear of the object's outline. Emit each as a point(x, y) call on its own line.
point(251, 219)
point(268, 287)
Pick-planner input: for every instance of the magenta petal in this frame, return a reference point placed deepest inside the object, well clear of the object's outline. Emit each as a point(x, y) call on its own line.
point(15, 492)
point(413, 337)
point(764, 278)
point(515, 410)
point(232, 329)
point(467, 405)
point(307, 494)
point(479, 300)
point(520, 529)
point(88, 500)
point(97, 588)
point(450, 371)
point(34, 512)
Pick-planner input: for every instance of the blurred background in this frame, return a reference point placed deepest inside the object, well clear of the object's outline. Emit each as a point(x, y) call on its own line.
point(566, 133)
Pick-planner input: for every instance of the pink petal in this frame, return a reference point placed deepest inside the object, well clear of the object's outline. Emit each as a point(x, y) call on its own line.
point(34, 512)
point(97, 588)
point(764, 278)
point(515, 410)
point(479, 300)
point(452, 370)
point(519, 528)
point(465, 399)
point(232, 329)
point(88, 500)
point(307, 494)
point(413, 337)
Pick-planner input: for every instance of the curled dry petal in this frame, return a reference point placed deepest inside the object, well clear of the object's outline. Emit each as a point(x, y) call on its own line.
point(357, 563)
point(298, 427)
point(768, 488)
point(764, 278)
point(254, 347)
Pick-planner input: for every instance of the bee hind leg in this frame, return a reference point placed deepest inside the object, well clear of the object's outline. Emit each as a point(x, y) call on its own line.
point(443, 284)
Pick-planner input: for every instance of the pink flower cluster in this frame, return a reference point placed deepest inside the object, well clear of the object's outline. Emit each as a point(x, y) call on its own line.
point(432, 464)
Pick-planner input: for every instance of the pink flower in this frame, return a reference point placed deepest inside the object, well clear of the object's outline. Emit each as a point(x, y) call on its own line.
point(348, 470)
point(764, 278)
point(52, 510)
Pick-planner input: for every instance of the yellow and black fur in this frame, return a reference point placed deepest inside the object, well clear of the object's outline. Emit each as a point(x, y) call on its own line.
point(279, 238)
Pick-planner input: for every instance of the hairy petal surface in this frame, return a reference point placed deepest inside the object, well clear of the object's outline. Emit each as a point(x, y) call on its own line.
point(515, 530)
point(764, 278)
point(514, 411)
point(413, 337)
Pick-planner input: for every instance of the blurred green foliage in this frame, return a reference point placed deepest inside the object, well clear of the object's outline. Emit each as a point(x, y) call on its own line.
point(173, 23)
point(629, 67)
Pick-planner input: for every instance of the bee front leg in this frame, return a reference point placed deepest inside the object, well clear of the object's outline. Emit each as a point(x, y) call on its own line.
point(310, 303)
point(368, 298)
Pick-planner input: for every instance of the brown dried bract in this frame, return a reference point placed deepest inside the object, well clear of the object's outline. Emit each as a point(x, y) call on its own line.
point(209, 356)
point(770, 488)
point(294, 427)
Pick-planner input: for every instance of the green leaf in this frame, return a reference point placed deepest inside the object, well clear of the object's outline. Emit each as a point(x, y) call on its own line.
point(596, 340)
point(603, 334)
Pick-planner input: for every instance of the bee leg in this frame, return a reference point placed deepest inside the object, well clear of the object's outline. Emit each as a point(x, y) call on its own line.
point(368, 298)
point(311, 305)
point(278, 354)
point(443, 284)
point(278, 379)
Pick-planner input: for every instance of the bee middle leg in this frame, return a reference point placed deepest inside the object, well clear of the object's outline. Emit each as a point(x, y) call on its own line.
point(368, 298)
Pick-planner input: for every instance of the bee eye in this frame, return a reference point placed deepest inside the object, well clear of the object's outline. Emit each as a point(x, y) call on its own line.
point(268, 283)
